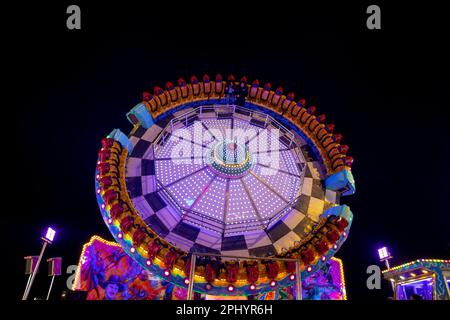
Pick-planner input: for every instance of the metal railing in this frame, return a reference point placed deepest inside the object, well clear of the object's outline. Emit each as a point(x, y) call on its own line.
point(233, 109)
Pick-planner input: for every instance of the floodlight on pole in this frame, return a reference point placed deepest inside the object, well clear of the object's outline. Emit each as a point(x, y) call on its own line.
point(48, 237)
point(54, 270)
point(30, 265)
point(384, 254)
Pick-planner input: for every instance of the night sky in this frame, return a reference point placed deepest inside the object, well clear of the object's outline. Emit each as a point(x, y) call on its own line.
point(386, 90)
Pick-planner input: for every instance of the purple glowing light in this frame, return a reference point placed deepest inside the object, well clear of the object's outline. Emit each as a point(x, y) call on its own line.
point(383, 253)
point(50, 234)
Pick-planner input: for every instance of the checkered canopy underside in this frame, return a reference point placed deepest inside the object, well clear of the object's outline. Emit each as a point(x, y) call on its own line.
point(261, 214)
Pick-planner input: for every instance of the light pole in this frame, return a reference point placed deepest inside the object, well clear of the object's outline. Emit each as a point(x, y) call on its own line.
point(298, 280)
point(30, 265)
point(191, 277)
point(54, 269)
point(48, 238)
point(385, 255)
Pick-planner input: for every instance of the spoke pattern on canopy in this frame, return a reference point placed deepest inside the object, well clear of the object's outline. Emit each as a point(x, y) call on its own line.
point(188, 195)
point(284, 183)
point(235, 204)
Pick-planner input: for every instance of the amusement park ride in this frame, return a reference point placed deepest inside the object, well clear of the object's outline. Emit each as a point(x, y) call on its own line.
point(226, 193)
point(427, 278)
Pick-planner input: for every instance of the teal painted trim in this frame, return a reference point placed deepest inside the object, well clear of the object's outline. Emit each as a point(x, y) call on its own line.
point(342, 181)
point(141, 114)
point(340, 211)
point(122, 138)
point(437, 268)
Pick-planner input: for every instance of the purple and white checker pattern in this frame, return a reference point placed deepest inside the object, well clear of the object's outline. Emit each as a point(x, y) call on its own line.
point(196, 210)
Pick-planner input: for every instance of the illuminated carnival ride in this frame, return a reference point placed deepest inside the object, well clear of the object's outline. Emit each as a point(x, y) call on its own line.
point(427, 278)
point(226, 193)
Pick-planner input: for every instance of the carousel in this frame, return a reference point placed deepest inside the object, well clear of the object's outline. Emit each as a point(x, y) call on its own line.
point(224, 188)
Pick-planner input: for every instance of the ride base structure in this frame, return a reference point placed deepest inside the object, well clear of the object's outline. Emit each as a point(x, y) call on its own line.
point(106, 272)
point(427, 278)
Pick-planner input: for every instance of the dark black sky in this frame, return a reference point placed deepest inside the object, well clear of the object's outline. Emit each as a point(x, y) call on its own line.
point(387, 91)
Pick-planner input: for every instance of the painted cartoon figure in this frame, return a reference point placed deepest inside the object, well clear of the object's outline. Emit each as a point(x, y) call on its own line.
point(108, 273)
point(112, 287)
